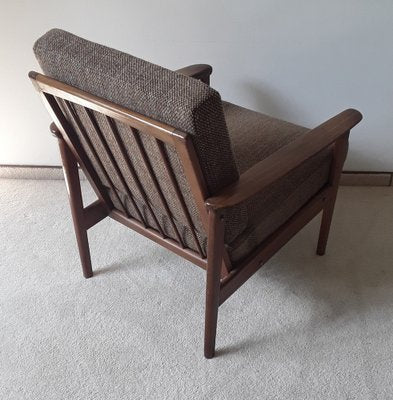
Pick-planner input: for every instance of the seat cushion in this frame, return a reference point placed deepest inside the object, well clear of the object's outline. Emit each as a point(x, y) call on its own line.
point(255, 136)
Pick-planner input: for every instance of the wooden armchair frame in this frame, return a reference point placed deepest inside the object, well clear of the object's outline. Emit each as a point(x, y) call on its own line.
point(223, 279)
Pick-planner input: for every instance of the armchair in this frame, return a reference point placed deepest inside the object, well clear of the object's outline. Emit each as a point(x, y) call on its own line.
point(220, 185)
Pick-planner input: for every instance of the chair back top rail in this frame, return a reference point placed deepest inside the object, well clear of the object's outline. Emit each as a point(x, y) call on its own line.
point(159, 130)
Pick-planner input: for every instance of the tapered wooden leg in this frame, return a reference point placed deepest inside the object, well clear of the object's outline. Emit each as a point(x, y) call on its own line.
point(325, 227)
point(339, 154)
point(215, 247)
point(71, 174)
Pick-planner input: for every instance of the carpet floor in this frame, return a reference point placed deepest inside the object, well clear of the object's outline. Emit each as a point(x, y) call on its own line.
point(303, 327)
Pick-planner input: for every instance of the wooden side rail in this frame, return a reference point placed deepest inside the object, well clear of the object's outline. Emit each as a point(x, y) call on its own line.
point(280, 163)
point(273, 243)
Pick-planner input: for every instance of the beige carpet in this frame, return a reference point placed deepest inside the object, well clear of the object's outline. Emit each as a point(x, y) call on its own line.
point(304, 327)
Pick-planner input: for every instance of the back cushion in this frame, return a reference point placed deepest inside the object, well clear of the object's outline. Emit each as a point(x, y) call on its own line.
point(177, 100)
point(182, 102)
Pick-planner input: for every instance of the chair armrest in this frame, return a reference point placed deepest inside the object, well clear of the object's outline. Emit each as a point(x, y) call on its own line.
point(197, 71)
point(283, 161)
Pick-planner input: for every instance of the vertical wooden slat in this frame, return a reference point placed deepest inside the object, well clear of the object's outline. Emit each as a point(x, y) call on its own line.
point(155, 182)
point(172, 178)
point(83, 132)
point(62, 127)
point(108, 150)
point(132, 171)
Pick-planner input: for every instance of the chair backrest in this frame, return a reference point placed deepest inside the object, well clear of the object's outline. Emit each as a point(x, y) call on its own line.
point(156, 163)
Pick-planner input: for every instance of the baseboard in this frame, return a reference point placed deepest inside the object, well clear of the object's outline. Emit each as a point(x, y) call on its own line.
point(363, 178)
point(33, 172)
point(348, 178)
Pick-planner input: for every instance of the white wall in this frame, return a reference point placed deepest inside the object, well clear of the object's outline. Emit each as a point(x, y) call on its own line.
point(301, 60)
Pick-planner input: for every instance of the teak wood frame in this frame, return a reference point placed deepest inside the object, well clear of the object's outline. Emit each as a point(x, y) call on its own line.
point(223, 278)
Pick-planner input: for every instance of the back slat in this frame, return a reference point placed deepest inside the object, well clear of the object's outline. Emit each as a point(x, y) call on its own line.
point(92, 149)
point(131, 170)
point(157, 186)
point(180, 197)
point(113, 161)
point(57, 109)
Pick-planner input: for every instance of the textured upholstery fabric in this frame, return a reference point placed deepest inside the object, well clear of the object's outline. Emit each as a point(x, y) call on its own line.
point(185, 103)
point(193, 107)
point(254, 136)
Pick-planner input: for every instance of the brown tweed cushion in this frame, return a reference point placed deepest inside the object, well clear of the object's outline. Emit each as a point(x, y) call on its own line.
point(185, 103)
point(193, 107)
point(255, 136)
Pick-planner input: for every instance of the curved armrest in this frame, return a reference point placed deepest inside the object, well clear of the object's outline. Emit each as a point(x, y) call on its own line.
point(280, 163)
point(197, 71)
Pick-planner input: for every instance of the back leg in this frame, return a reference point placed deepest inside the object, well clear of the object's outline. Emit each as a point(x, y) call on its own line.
point(71, 175)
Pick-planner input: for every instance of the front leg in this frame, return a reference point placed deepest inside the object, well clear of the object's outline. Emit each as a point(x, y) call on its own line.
point(215, 249)
point(339, 154)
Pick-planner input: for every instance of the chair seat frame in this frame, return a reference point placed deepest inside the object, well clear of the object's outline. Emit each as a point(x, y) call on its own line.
point(223, 278)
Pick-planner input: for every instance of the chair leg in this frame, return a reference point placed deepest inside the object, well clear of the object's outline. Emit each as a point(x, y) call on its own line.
point(84, 251)
point(325, 227)
point(215, 249)
point(71, 174)
point(339, 153)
